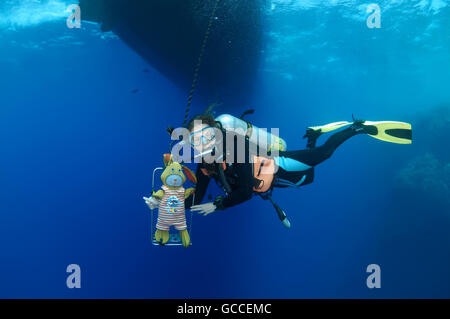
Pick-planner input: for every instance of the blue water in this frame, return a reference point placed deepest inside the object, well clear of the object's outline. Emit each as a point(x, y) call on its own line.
point(78, 148)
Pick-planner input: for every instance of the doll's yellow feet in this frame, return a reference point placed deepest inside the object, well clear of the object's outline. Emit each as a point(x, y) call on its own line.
point(185, 239)
point(162, 236)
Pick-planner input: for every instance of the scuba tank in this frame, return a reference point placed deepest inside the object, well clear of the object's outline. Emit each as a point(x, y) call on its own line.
point(262, 138)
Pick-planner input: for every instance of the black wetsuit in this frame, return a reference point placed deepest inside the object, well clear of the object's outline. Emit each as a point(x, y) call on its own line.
point(240, 175)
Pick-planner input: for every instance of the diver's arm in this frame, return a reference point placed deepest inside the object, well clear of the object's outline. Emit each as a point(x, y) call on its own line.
point(243, 193)
point(200, 188)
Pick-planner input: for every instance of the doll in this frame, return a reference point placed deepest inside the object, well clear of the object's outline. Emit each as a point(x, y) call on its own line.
point(170, 201)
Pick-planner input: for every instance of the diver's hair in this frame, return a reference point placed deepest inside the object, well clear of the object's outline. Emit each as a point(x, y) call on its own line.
point(206, 117)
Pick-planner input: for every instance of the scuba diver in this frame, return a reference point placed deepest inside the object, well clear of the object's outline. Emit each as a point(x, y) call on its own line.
point(257, 174)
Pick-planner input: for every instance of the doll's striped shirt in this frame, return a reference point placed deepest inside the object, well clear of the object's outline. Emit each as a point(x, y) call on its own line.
point(171, 209)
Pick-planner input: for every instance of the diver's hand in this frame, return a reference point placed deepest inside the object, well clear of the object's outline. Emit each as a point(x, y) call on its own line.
point(204, 209)
point(152, 202)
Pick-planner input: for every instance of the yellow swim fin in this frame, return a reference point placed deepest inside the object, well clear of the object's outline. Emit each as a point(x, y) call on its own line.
point(389, 131)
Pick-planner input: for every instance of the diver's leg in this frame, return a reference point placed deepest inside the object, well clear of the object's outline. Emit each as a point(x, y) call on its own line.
point(313, 132)
point(315, 156)
point(296, 168)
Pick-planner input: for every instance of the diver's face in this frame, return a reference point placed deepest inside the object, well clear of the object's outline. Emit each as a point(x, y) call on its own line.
point(202, 137)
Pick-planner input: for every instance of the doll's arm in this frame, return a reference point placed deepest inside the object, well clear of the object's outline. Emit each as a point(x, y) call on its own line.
point(188, 192)
point(159, 194)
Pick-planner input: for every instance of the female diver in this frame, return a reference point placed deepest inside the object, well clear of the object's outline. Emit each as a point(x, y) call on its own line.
point(260, 174)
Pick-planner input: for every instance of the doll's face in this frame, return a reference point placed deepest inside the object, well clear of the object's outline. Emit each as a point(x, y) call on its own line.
point(173, 175)
point(202, 137)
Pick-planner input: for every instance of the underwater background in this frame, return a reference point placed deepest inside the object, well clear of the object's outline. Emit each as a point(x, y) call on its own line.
point(82, 126)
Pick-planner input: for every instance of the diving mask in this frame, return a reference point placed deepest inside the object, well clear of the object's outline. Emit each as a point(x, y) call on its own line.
point(203, 136)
